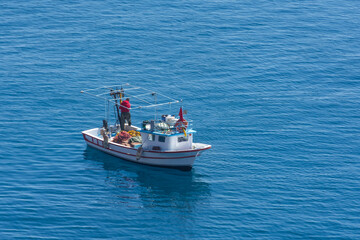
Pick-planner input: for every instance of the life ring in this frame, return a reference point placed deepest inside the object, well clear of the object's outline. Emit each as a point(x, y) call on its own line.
point(181, 125)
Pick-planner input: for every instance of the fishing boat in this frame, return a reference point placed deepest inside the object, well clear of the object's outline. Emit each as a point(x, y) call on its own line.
point(162, 141)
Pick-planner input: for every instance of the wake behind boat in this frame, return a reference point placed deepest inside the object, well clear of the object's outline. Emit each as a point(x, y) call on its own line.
point(165, 142)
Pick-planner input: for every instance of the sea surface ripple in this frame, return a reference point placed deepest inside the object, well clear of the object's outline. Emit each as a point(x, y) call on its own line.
point(273, 86)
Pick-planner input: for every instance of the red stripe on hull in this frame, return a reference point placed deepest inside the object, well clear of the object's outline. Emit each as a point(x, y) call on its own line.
point(162, 152)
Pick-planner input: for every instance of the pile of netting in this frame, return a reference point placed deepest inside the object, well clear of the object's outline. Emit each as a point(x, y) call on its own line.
point(134, 133)
point(130, 138)
point(122, 137)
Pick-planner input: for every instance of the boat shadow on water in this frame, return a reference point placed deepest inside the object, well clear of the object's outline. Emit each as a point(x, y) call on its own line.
point(154, 185)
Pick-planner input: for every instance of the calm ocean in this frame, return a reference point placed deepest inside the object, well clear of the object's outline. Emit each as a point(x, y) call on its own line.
point(273, 86)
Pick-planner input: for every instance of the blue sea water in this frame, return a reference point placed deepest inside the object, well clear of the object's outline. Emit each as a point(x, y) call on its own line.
point(273, 86)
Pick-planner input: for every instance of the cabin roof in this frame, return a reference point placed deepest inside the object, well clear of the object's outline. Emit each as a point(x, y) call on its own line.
point(167, 135)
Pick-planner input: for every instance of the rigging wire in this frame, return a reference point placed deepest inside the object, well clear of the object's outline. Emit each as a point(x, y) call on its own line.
point(108, 99)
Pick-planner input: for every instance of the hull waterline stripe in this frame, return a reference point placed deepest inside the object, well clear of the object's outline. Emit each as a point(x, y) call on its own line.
point(180, 167)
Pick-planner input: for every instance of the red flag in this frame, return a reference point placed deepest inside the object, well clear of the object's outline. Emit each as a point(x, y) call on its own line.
point(181, 115)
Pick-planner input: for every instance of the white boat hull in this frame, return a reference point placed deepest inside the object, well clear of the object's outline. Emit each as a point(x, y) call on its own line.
point(172, 159)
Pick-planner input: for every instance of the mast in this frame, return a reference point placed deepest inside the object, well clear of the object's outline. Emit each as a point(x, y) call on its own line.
point(114, 94)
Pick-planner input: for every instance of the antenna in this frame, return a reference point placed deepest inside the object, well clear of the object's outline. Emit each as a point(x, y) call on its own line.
point(154, 94)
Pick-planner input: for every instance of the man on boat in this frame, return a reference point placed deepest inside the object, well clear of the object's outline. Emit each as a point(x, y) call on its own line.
point(125, 113)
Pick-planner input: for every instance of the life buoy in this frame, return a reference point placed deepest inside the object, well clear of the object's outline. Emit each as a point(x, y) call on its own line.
point(181, 125)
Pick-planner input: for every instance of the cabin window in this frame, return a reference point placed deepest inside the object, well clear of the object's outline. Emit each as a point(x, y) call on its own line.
point(182, 139)
point(161, 139)
point(151, 137)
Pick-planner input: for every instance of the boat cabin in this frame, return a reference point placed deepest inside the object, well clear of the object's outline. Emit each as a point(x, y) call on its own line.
point(156, 141)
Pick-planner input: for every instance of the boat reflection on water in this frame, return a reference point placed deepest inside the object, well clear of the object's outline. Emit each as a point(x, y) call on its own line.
point(153, 186)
